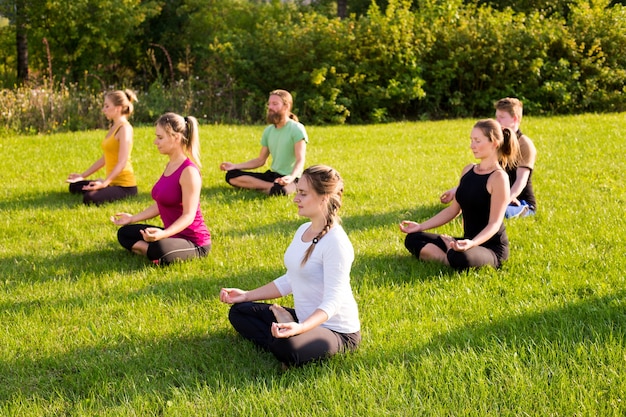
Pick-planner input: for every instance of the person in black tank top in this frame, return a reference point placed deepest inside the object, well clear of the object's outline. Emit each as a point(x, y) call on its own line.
point(482, 196)
point(523, 203)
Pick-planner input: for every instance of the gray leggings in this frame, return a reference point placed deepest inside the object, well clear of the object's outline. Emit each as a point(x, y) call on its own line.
point(103, 195)
point(164, 251)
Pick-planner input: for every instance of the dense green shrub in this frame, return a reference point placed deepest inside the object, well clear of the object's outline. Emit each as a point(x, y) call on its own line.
point(366, 68)
point(479, 55)
point(600, 57)
point(546, 7)
point(447, 60)
point(428, 59)
point(387, 70)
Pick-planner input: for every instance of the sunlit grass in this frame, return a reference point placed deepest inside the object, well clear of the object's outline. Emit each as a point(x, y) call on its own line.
point(89, 329)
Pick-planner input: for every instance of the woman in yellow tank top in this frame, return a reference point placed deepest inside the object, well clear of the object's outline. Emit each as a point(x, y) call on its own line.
point(117, 147)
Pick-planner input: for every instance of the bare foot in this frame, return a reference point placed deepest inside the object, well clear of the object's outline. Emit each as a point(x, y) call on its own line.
point(282, 315)
point(290, 188)
point(447, 240)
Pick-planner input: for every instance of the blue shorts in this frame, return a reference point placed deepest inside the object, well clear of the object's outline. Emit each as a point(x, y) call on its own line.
point(523, 210)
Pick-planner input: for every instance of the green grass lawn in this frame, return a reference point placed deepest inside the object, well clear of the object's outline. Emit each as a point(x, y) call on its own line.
point(89, 329)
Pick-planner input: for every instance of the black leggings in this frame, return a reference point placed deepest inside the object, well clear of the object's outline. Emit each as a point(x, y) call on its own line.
point(164, 251)
point(474, 257)
point(254, 320)
point(103, 195)
point(267, 176)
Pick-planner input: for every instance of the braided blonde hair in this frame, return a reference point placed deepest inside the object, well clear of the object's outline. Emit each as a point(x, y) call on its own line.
point(324, 181)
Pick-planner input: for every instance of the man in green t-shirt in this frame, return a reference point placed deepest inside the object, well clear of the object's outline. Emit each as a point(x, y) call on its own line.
point(285, 140)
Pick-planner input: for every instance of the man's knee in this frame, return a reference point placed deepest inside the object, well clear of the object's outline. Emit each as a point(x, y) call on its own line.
point(232, 174)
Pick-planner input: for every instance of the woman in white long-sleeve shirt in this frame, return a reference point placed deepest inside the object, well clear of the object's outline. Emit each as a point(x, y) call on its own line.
point(325, 320)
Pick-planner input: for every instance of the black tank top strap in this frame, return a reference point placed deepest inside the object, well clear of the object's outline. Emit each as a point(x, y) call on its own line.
point(487, 174)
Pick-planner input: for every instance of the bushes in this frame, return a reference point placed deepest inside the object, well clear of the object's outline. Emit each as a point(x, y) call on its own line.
point(47, 109)
point(600, 58)
point(479, 55)
point(361, 69)
point(426, 60)
point(445, 59)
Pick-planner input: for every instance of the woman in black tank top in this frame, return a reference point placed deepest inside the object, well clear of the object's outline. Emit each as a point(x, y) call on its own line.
point(481, 197)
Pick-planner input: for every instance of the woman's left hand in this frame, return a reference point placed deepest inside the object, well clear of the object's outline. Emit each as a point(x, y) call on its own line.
point(94, 185)
point(462, 245)
point(285, 330)
point(151, 234)
point(122, 219)
point(287, 179)
point(73, 177)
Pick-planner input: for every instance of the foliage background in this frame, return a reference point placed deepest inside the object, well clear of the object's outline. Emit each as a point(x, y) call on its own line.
point(395, 60)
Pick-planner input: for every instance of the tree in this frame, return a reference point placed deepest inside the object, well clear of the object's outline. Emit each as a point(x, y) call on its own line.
point(342, 9)
point(16, 12)
point(21, 39)
point(82, 35)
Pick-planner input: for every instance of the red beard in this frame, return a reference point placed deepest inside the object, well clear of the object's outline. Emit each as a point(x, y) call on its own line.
point(273, 117)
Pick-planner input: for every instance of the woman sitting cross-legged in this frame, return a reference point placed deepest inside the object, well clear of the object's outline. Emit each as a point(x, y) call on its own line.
point(325, 320)
point(482, 196)
point(117, 147)
point(177, 200)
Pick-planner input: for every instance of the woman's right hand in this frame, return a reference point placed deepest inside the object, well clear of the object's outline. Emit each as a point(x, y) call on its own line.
point(448, 196)
point(232, 295)
point(227, 166)
point(408, 226)
point(121, 219)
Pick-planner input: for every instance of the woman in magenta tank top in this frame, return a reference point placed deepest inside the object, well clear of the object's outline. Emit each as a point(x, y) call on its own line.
point(184, 234)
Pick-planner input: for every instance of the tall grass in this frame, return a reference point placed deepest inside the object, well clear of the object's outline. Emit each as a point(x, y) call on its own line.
point(89, 329)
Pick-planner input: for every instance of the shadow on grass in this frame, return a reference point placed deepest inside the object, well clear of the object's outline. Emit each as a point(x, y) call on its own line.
point(116, 372)
point(55, 200)
point(71, 265)
point(52, 200)
point(117, 367)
